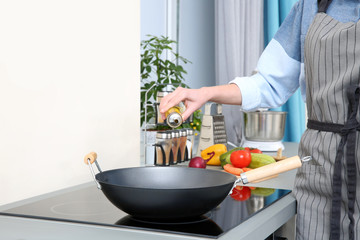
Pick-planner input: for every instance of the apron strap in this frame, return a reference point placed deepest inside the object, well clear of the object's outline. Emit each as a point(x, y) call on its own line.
point(323, 5)
point(350, 130)
point(348, 133)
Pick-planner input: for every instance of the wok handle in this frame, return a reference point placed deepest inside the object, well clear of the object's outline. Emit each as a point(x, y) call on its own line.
point(89, 159)
point(271, 169)
point(90, 156)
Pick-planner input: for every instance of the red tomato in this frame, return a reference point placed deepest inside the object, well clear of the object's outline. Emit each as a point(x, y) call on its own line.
point(255, 150)
point(241, 193)
point(240, 158)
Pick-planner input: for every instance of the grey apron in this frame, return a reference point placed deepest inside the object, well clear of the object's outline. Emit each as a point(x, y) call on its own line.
point(325, 188)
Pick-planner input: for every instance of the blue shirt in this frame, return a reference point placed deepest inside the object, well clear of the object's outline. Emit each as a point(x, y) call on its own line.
point(280, 69)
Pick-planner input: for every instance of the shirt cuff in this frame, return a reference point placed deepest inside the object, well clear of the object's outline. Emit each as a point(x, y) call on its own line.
point(250, 94)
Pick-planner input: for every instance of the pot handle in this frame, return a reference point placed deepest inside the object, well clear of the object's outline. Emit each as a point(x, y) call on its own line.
point(89, 159)
point(272, 169)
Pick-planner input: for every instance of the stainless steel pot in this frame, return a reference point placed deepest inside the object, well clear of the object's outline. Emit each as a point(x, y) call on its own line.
point(264, 126)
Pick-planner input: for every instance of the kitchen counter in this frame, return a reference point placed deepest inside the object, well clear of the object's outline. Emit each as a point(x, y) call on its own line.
point(268, 219)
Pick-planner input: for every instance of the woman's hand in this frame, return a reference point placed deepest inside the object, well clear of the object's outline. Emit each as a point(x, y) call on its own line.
point(192, 98)
point(195, 98)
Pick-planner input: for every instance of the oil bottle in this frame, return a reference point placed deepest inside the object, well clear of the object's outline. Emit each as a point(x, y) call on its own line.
point(173, 115)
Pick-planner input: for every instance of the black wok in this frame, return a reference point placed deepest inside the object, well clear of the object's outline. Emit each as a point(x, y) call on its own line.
point(163, 193)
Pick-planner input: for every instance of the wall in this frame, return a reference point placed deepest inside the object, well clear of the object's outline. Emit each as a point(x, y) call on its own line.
point(69, 84)
point(197, 41)
point(153, 17)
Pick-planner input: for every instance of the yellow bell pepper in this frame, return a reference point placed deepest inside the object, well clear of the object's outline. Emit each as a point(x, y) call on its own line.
point(212, 154)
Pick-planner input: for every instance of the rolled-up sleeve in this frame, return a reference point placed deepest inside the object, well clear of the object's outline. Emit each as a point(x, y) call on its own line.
point(279, 67)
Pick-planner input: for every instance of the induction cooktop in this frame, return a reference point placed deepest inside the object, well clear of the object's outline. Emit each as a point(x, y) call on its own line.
point(88, 205)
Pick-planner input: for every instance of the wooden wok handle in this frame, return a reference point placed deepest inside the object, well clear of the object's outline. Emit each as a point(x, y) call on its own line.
point(271, 169)
point(267, 178)
point(90, 156)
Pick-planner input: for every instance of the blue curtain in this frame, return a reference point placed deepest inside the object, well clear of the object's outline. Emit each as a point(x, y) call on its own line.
point(275, 12)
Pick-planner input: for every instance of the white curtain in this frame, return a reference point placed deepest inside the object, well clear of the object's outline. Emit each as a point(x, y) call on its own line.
point(239, 41)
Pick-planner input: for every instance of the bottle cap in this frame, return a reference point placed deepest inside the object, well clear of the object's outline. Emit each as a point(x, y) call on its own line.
point(174, 119)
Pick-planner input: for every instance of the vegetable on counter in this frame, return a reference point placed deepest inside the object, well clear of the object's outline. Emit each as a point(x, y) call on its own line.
point(197, 162)
point(259, 160)
point(212, 154)
point(253, 150)
point(225, 157)
point(240, 158)
point(233, 170)
point(246, 169)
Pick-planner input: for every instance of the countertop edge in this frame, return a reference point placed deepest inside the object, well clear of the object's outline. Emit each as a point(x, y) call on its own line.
point(268, 220)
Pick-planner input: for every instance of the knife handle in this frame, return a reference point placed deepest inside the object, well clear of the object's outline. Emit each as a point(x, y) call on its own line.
point(271, 169)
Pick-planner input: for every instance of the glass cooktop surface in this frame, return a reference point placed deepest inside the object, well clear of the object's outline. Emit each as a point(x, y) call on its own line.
point(89, 205)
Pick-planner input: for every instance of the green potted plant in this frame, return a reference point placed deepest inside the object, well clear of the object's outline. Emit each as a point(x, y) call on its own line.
point(158, 72)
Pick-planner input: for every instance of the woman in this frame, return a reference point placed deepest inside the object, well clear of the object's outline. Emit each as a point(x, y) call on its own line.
point(317, 48)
